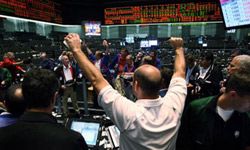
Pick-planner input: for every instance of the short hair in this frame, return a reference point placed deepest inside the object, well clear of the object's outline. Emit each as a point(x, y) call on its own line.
point(125, 50)
point(236, 52)
point(69, 54)
point(147, 60)
point(244, 62)
point(239, 82)
point(154, 52)
point(14, 100)
point(39, 87)
point(98, 52)
point(148, 85)
point(208, 56)
point(166, 74)
point(9, 55)
point(190, 58)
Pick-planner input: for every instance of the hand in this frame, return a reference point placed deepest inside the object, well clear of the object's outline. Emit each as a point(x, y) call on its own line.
point(73, 41)
point(64, 53)
point(190, 85)
point(176, 42)
point(105, 43)
point(2, 105)
point(223, 90)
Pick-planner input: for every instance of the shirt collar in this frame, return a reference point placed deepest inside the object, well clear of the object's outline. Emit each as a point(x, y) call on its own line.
point(150, 102)
point(37, 117)
point(64, 67)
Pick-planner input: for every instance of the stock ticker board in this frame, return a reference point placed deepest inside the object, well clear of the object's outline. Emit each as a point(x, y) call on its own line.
point(163, 13)
point(43, 10)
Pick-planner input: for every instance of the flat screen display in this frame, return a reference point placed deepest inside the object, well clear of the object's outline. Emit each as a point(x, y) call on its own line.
point(89, 130)
point(144, 44)
point(130, 39)
point(153, 43)
point(200, 40)
point(92, 28)
point(235, 13)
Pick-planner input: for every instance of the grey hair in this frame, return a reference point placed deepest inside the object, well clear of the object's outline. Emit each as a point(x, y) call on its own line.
point(244, 62)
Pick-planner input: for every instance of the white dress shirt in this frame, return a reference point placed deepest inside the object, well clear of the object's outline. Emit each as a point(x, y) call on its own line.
point(67, 73)
point(147, 124)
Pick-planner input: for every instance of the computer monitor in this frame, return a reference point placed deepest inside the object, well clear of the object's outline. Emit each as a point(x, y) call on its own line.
point(153, 43)
point(204, 45)
point(89, 129)
point(200, 40)
point(235, 13)
point(130, 39)
point(92, 28)
point(144, 44)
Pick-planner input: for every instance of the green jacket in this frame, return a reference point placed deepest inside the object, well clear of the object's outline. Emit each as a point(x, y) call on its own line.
point(6, 76)
point(203, 129)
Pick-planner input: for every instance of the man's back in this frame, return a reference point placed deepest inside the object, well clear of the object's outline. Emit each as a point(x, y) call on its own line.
point(147, 123)
point(129, 116)
point(39, 131)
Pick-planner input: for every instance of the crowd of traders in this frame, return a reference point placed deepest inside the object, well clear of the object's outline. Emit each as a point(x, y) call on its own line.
point(203, 78)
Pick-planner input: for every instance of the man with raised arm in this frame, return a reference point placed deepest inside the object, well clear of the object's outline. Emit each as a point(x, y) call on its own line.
point(152, 122)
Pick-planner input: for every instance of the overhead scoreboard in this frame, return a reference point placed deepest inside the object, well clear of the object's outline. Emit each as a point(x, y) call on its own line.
point(163, 13)
point(44, 10)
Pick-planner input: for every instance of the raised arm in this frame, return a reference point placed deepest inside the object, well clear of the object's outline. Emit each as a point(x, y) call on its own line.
point(179, 64)
point(87, 48)
point(90, 71)
point(106, 47)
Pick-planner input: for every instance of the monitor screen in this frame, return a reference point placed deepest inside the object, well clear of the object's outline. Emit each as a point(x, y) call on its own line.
point(129, 39)
point(89, 130)
point(231, 31)
point(204, 45)
point(153, 42)
point(144, 44)
point(235, 13)
point(92, 28)
point(200, 40)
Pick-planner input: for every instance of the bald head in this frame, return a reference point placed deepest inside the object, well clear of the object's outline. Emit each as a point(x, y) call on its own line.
point(239, 63)
point(14, 100)
point(243, 62)
point(149, 79)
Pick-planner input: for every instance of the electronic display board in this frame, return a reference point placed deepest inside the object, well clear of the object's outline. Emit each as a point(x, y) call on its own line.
point(235, 13)
point(163, 13)
point(92, 28)
point(44, 10)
